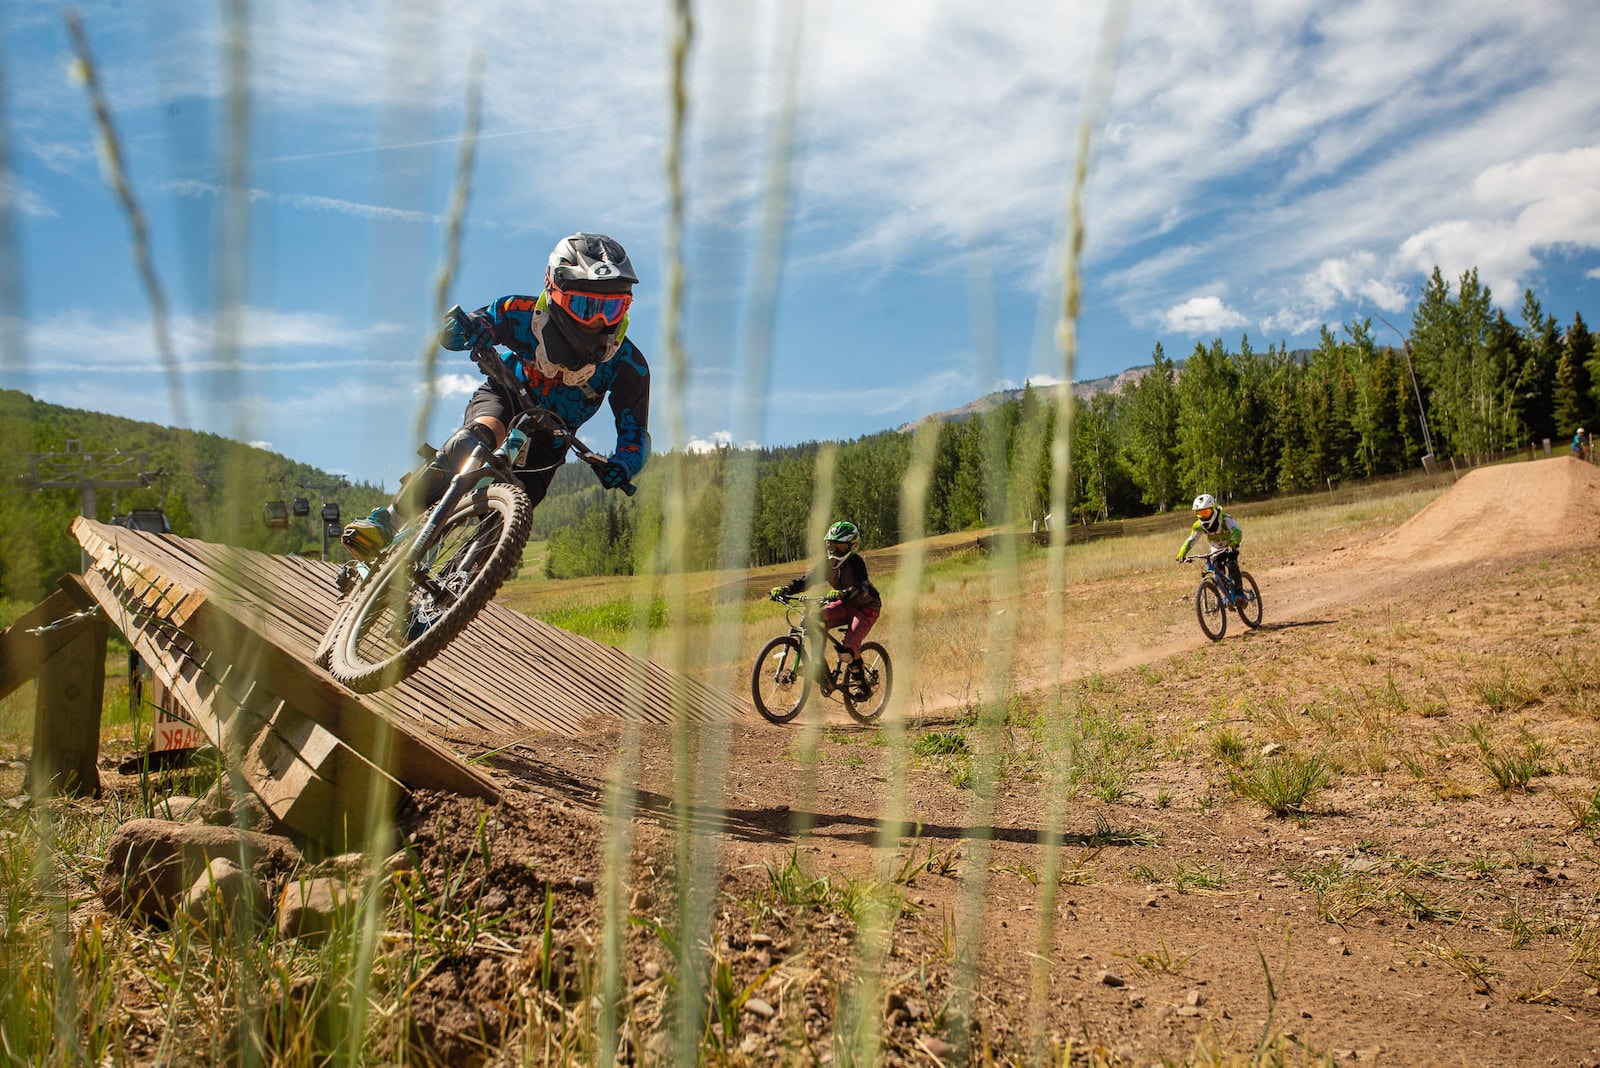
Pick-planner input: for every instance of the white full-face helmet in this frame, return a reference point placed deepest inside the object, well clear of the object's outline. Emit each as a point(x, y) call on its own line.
point(1208, 512)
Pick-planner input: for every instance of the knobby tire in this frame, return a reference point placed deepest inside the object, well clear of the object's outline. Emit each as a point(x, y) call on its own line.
point(779, 680)
point(368, 652)
point(1249, 606)
point(1208, 608)
point(880, 679)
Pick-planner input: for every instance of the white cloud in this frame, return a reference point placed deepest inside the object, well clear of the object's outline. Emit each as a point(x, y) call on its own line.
point(307, 202)
point(1201, 315)
point(454, 385)
point(84, 339)
point(717, 439)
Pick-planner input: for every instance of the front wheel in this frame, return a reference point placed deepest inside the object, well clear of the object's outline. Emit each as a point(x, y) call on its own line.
point(1249, 602)
point(779, 681)
point(866, 700)
point(424, 595)
point(1208, 607)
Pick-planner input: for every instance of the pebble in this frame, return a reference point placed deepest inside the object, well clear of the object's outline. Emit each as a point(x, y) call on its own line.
point(1112, 979)
point(759, 1007)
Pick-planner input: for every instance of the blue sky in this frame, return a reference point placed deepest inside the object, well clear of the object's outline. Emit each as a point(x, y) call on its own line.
point(1260, 168)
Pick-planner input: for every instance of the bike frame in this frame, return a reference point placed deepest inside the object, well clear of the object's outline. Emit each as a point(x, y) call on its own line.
point(482, 467)
point(1224, 583)
point(797, 628)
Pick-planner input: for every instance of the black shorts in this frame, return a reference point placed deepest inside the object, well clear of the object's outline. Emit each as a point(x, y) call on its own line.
point(544, 455)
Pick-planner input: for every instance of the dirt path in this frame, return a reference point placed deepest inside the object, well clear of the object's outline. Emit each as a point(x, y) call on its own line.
point(1414, 914)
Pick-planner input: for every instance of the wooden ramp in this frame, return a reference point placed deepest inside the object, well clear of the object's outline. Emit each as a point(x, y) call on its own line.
point(232, 633)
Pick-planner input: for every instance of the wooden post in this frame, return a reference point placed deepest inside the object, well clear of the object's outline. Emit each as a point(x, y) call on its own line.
point(66, 722)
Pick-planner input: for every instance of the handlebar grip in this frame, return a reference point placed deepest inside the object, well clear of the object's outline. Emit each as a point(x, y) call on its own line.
point(629, 488)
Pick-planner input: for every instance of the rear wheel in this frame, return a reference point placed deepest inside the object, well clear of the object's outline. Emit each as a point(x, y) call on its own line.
point(779, 681)
point(422, 596)
point(866, 700)
point(1208, 607)
point(1249, 602)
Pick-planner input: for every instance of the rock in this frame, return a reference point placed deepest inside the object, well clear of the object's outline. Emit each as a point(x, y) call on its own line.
point(1111, 979)
point(227, 894)
point(1196, 997)
point(177, 807)
point(311, 908)
point(150, 864)
point(759, 1007)
point(348, 867)
point(936, 1047)
point(400, 862)
point(1271, 749)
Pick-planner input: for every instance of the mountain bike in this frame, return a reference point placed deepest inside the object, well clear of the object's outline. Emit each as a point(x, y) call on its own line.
point(781, 679)
point(401, 608)
point(1215, 595)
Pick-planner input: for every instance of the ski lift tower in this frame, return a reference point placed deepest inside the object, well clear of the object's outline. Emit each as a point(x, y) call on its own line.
point(88, 473)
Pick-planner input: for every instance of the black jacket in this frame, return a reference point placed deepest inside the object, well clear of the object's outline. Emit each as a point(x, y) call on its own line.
point(848, 576)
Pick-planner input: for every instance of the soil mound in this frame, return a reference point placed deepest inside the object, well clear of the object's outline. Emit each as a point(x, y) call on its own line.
point(1508, 509)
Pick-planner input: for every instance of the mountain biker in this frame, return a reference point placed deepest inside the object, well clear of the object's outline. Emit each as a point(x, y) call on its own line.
point(569, 345)
point(1224, 535)
point(852, 600)
point(1580, 445)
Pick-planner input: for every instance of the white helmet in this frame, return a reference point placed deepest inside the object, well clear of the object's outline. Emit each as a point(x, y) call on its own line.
point(1208, 512)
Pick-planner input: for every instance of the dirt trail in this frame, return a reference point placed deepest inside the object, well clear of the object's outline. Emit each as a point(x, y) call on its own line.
point(1418, 915)
point(1492, 518)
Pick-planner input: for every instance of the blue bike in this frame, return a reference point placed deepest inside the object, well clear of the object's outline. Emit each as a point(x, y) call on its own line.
point(1216, 595)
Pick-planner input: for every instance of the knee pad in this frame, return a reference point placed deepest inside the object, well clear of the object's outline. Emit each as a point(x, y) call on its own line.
point(428, 484)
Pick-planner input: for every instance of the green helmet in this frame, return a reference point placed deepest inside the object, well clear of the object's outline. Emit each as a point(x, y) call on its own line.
point(841, 539)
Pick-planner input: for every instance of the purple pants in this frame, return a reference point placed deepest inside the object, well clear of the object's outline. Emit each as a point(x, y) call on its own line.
point(860, 620)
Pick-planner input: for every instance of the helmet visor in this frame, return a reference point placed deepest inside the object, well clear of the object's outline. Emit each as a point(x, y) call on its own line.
point(838, 550)
point(592, 309)
point(1205, 513)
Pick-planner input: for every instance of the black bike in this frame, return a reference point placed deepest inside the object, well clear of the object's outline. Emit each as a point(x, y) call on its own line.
point(780, 681)
point(404, 606)
point(1216, 595)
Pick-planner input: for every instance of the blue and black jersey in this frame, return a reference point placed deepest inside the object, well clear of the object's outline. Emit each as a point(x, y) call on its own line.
point(622, 380)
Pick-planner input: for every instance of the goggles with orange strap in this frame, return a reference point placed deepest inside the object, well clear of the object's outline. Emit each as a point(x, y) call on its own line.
point(592, 309)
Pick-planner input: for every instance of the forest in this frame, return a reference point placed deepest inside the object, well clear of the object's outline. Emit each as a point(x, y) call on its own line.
point(209, 487)
point(1242, 423)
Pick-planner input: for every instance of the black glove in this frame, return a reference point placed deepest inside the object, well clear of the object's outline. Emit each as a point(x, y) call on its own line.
point(467, 332)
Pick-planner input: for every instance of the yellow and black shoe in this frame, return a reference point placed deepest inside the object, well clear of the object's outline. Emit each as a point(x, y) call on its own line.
point(366, 538)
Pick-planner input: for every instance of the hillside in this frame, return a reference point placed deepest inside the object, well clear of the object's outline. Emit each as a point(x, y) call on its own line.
point(209, 486)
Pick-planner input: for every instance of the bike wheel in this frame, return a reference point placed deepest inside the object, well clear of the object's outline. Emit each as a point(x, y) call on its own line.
point(866, 700)
point(779, 681)
point(1249, 602)
point(424, 595)
point(1208, 607)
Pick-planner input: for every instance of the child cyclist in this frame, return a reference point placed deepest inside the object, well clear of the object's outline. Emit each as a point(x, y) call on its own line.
point(1224, 535)
point(852, 600)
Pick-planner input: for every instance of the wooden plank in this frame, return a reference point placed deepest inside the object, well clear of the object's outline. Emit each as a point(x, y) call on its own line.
point(21, 653)
point(66, 722)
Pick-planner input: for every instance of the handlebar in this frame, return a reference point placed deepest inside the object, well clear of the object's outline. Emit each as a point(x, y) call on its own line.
point(795, 598)
point(494, 368)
